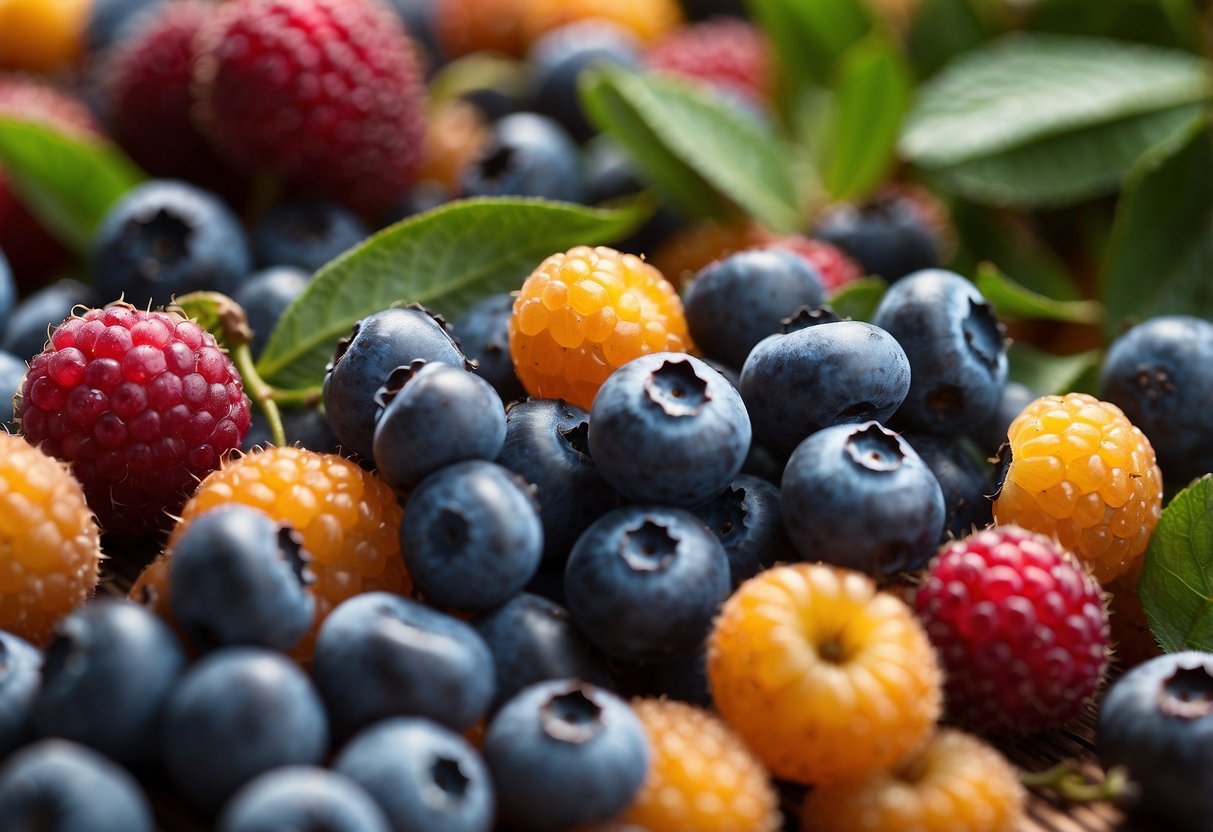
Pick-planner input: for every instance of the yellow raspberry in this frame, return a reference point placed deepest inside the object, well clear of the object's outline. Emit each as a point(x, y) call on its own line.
point(586, 312)
point(1082, 473)
point(956, 783)
point(41, 35)
point(701, 775)
point(50, 546)
point(648, 20)
point(825, 678)
point(455, 132)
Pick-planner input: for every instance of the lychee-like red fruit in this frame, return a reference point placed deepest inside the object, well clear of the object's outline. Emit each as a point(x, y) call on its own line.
point(726, 53)
point(141, 404)
point(325, 95)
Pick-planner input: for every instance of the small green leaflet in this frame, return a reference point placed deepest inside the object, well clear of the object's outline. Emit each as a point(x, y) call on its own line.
point(446, 259)
point(694, 147)
point(859, 298)
point(1012, 301)
point(811, 35)
point(1053, 374)
point(1177, 579)
point(66, 182)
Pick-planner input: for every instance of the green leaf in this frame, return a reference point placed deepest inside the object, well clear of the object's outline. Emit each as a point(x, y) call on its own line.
point(1053, 374)
point(1011, 240)
point(1160, 258)
point(811, 35)
point(943, 29)
point(694, 146)
point(859, 298)
point(67, 182)
point(446, 259)
point(1010, 300)
point(1046, 120)
point(873, 94)
point(1177, 578)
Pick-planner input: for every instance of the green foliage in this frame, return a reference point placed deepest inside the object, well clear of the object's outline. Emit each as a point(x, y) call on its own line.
point(810, 36)
point(859, 298)
point(1012, 301)
point(1177, 579)
point(1053, 374)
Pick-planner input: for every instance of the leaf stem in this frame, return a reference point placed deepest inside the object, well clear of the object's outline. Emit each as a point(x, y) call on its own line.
point(1070, 784)
point(261, 393)
point(299, 397)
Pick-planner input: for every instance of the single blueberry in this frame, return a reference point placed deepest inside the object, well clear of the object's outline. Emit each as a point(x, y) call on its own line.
point(8, 291)
point(305, 234)
point(302, 798)
point(28, 327)
point(12, 373)
point(887, 236)
point(483, 333)
point(746, 517)
point(110, 20)
point(20, 676)
point(265, 296)
point(527, 155)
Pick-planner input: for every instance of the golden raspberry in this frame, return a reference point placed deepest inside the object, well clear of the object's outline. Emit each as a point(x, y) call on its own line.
point(466, 26)
point(41, 35)
point(1082, 473)
point(50, 546)
point(584, 313)
point(648, 20)
point(956, 783)
point(825, 678)
point(455, 132)
point(701, 775)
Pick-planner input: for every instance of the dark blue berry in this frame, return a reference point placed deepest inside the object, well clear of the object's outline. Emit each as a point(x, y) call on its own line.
point(265, 296)
point(533, 640)
point(645, 582)
point(238, 713)
point(20, 668)
point(684, 678)
point(166, 238)
point(666, 428)
point(888, 236)
point(26, 333)
point(958, 358)
point(1158, 374)
point(12, 372)
point(60, 786)
point(992, 432)
point(844, 372)
point(238, 553)
point(563, 753)
point(306, 234)
point(422, 774)
point(965, 482)
point(746, 517)
point(483, 333)
point(8, 290)
point(302, 798)
point(859, 496)
point(526, 155)
point(734, 303)
point(106, 678)
point(380, 655)
point(434, 415)
point(110, 20)
point(609, 172)
point(547, 443)
point(362, 363)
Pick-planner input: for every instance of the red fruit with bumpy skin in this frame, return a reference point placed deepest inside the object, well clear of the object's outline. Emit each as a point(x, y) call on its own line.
point(1020, 627)
point(834, 266)
point(324, 94)
point(141, 404)
point(726, 53)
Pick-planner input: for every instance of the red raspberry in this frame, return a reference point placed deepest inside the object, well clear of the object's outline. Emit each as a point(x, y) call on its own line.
point(325, 94)
point(142, 404)
point(1020, 626)
point(834, 266)
point(726, 53)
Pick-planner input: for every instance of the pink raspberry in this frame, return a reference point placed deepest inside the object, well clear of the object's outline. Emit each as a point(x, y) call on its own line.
point(1020, 626)
point(141, 404)
point(835, 267)
point(726, 53)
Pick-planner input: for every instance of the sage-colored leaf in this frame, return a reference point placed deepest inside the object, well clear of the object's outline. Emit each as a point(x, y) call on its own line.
point(859, 298)
point(1177, 577)
point(1010, 300)
point(1053, 374)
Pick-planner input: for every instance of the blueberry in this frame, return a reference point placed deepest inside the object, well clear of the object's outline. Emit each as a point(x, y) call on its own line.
point(887, 236)
point(265, 296)
point(746, 517)
point(1158, 374)
point(547, 443)
point(306, 427)
point(8, 290)
point(306, 234)
point(380, 655)
point(958, 358)
point(26, 332)
point(734, 303)
point(238, 713)
point(471, 536)
point(844, 372)
point(609, 172)
point(667, 428)
point(60, 786)
point(859, 496)
point(362, 363)
point(526, 155)
point(533, 640)
point(558, 58)
point(302, 798)
point(237, 552)
point(565, 752)
point(109, 20)
point(166, 238)
point(964, 481)
point(12, 373)
point(106, 678)
point(483, 333)
point(645, 582)
point(20, 667)
point(1157, 721)
point(434, 415)
point(423, 776)
point(991, 433)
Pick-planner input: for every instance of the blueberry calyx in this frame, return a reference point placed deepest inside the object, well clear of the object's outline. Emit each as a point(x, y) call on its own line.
point(807, 316)
point(736, 511)
point(343, 346)
point(578, 438)
point(649, 547)
point(449, 777)
point(1188, 692)
point(164, 239)
point(875, 449)
point(677, 389)
point(1155, 381)
point(396, 381)
point(983, 333)
point(572, 716)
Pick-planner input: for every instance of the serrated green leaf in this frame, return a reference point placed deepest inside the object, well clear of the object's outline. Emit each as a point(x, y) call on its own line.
point(859, 298)
point(446, 259)
point(1043, 120)
point(1012, 301)
point(873, 94)
point(1160, 258)
point(694, 147)
point(1176, 585)
point(67, 182)
point(811, 35)
point(1053, 374)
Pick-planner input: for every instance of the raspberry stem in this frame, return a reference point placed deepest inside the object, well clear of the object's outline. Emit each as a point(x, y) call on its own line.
point(261, 393)
point(1071, 784)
